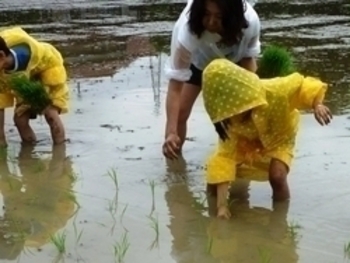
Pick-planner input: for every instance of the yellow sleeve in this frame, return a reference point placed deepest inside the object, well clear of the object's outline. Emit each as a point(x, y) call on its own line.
point(221, 166)
point(310, 91)
point(55, 79)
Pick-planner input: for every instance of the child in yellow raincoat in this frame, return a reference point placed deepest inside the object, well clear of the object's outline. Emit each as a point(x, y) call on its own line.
point(20, 53)
point(256, 120)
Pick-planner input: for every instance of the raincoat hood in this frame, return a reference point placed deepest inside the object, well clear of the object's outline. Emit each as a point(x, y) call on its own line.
point(229, 90)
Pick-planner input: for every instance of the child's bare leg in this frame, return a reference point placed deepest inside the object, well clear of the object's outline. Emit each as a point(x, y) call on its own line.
point(222, 205)
point(25, 131)
point(278, 179)
point(53, 119)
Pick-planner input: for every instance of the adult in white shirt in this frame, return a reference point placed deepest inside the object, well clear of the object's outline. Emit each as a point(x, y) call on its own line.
point(205, 30)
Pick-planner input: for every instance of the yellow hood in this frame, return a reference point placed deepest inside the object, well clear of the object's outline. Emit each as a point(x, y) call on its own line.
point(229, 90)
point(16, 35)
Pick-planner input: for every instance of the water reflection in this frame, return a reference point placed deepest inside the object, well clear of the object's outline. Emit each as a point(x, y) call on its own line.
point(255, 234)
point(37, 198)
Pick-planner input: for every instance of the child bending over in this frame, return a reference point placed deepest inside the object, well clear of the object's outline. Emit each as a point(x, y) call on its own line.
point(256, 120)
point(22, 54)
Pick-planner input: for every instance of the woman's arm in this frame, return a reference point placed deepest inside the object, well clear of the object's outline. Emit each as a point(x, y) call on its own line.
point(253, 47)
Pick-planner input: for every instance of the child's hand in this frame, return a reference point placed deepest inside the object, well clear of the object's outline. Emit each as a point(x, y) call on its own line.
point(322, 114)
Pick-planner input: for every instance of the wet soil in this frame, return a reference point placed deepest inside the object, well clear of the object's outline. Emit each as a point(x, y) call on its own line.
point(156, 211)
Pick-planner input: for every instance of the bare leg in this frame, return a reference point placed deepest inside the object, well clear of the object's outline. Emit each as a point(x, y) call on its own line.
point(278, 179)
point(189, 95)
point(56, 125)
point(222, 205)
point(25, 131)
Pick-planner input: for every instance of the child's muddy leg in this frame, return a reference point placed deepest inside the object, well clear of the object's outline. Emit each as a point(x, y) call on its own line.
point(52, 117)
point(25, 131)
point(278, 172)
point(222, 202)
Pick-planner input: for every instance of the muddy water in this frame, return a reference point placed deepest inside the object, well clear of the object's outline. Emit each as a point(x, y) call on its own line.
point(116, 127)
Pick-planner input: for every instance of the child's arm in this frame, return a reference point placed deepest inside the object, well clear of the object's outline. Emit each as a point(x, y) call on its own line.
point(54, 79)
point(310, 95)
point(6, 101)
point(221, 171)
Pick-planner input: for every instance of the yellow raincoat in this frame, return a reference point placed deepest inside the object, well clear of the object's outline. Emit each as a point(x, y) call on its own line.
point(271, 129)
point(46, 64)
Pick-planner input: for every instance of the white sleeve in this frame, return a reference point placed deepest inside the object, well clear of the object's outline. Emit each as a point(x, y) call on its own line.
point(253, 48)
point(183, 43)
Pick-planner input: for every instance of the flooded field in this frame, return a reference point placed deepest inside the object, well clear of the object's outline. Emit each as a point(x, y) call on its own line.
point(109, 195)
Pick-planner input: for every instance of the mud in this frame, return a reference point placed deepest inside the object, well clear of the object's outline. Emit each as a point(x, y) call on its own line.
point(116, 125)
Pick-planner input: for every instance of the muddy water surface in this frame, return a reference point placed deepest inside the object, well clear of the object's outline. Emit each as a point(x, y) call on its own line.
point(154, 211)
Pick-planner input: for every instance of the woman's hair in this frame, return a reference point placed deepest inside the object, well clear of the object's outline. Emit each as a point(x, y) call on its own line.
point(221, 128)
point(233, 19)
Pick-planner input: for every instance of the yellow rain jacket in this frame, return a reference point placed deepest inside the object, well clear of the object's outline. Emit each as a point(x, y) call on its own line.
point(46, 64)
point(271, 129)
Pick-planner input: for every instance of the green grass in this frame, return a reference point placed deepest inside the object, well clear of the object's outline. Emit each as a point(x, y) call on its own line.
point(275, 62)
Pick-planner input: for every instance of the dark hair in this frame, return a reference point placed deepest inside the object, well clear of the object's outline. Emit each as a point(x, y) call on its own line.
point(221, 128)
point(233, 19)
point(3, 47)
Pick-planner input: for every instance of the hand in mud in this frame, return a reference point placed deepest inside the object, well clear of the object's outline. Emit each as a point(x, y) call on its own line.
point(224, 212)
point(322, 114)
point(171, 146)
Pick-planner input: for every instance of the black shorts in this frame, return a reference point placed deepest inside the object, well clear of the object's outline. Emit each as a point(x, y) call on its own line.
point(196, 77)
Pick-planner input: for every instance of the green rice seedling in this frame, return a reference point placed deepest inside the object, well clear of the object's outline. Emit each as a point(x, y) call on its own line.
point(275, 62)
point(123, 213)
point(293, 228)
point(264, 256)
point(210, 244)
point(347, 250)
point(32, 92)
point(154, 224)
point(59, 241)
point(77, 234)
point(121, 248)
point(152, 184)
point(112, 173)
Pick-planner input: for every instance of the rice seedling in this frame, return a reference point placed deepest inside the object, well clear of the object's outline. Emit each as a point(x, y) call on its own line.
point(123, 213)
point(264, 256)
point(59, 241)
point(32, 92)
point(210, 244)
point(152, 184)
point(121, 248)
point(347, 250)
point(154, 224)
point(275, 62)
point(112, 173)
point(77, 234)
point(293, 228)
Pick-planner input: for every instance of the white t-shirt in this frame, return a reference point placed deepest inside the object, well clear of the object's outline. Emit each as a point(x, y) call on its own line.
point(187, 49)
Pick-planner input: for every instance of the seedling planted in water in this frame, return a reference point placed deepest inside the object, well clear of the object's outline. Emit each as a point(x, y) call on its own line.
point(264, 256)
point(152, 184)
point(154, 224)
point(121, 248)
point(293, 228)
point(347, 250)
point(59, 241)
point(112, 173)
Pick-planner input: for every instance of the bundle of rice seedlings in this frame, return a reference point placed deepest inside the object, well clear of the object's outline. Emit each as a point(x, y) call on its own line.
point(275, 62)
point(31, 92)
